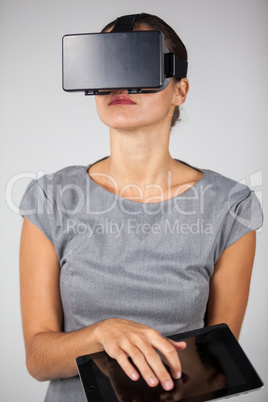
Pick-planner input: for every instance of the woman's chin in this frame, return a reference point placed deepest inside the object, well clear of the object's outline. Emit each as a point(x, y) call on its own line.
point(120, 122)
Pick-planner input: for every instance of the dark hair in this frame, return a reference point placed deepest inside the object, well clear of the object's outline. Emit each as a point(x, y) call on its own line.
point(172, 42)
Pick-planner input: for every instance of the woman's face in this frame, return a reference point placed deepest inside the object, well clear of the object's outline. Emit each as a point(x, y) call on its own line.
point(120, 110)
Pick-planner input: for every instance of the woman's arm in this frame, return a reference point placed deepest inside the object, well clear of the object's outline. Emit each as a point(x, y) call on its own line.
point(230, 284)
point(51, 353)
point(45, 344)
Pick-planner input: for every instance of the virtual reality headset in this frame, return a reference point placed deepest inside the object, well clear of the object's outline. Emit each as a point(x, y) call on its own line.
point(136, 61)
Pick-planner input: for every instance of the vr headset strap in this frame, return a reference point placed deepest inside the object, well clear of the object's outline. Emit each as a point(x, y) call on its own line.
point(125, 23)
point(181, 67)
point(174, 66)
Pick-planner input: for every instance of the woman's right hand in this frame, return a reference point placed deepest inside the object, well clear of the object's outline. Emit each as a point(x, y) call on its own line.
point(123, 338)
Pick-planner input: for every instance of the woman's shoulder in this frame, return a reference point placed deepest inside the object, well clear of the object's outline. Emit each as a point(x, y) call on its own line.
point(50, 185)
point(219, 185)
point(234, 198)
point(69, 173)
point(225, 186)
point(66, 176)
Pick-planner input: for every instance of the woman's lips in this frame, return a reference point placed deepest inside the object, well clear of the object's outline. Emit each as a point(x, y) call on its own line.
point(121, 100)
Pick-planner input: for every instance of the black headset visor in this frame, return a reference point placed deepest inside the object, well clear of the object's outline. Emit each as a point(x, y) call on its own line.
point(137, 61)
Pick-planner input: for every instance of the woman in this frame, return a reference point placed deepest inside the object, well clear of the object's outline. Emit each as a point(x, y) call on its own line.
point(135, 247)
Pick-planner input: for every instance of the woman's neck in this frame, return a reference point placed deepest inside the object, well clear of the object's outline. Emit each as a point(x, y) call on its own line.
point(139, 157)
point(141, 168)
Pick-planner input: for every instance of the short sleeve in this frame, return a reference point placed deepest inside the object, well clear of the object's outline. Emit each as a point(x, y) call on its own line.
point(37, 206)
point(244, 215)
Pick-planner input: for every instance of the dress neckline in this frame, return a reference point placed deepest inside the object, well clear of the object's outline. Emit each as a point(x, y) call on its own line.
point(126, 200)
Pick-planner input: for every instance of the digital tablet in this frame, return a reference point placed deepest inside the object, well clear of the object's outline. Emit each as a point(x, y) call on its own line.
point(213, 366)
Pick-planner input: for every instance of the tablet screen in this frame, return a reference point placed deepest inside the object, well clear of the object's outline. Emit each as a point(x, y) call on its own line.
point(213, 366)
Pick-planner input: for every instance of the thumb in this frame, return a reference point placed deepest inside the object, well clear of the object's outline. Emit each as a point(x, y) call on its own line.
point(181, 345)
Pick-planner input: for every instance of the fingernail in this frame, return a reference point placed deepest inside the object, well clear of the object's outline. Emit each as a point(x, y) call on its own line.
point(134, 376)
point(168, 385)
point(177, 375)
point(152, 381)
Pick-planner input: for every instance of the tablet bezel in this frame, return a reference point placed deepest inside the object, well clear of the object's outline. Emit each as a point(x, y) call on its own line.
point(252, 380)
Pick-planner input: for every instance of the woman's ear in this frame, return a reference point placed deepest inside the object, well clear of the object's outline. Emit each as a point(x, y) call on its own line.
point(181, 91)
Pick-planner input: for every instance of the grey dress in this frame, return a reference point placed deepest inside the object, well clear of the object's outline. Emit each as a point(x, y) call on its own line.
point(150, 263)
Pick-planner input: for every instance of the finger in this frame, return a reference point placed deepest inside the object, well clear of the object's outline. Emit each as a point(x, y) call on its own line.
point(170, 353)
point(158, 367)
point(142, 365)
point(181, 345)
point(126, 366)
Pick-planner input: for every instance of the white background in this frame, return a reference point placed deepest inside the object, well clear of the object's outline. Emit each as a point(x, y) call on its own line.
point(43, 129)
